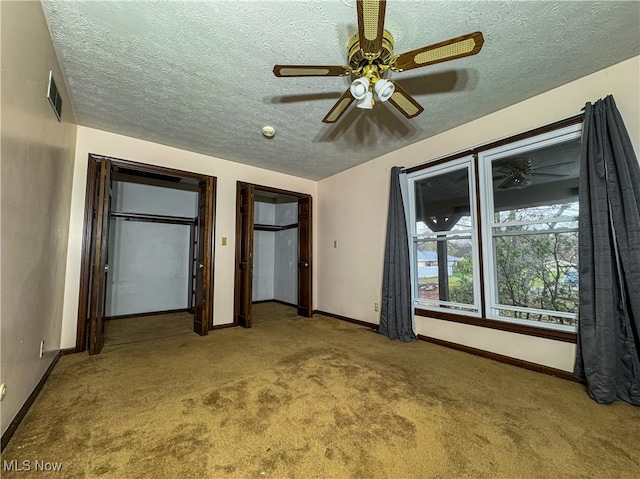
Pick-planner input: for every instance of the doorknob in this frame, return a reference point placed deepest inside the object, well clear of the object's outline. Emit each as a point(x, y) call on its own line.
point(200, 266)
point(106, 267)
point(306, 265)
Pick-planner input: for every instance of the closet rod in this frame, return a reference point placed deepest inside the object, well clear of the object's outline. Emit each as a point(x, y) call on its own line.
point(174, 220)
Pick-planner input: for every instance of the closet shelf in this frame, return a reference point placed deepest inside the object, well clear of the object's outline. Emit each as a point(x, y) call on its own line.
point(174, 220)
point(258, 227)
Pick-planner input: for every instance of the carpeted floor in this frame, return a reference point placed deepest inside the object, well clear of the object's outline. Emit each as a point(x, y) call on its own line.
point(315, 398)
point(144, 328)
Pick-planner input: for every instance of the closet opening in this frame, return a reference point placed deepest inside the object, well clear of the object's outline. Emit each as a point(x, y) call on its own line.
point(273, 252)
point(147, 260)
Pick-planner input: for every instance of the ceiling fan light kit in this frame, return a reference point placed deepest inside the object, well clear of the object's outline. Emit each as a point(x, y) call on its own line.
point(359, 88)
point(367, 102)
point(384, 89)
point(370, 56)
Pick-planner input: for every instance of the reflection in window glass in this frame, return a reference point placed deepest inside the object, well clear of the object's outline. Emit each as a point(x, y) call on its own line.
point(495, 233)
point(538, 271)
point(444, 270)
point(444, 256)
point(538, 184)
point(442, 202)
point(535, 233)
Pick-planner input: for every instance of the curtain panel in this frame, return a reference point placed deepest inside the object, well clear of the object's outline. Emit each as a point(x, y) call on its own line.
point(607, 357)
point(396, 321)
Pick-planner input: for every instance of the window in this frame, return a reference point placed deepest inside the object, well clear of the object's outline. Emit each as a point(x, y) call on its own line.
point(495, 231)
point(445, 238)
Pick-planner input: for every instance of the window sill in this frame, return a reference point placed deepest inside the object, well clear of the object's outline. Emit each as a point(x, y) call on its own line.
point(566, 336)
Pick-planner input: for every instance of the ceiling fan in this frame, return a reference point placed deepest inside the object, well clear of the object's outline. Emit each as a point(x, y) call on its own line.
point(517, 173)
point(370, 56)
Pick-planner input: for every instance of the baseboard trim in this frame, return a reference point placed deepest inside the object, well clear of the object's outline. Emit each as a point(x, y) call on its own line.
point(8, 434)
point(150, 313)
point(366, 324)
point(65, 352)
point(559, 373)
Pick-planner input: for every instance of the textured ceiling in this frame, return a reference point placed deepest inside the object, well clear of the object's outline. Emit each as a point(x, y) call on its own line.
point(198, 75)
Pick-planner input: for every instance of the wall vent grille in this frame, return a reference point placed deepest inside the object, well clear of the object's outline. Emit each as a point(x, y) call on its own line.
point(54, 97)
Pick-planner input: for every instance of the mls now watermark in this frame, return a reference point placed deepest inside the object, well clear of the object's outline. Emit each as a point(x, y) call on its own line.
point(25, 466)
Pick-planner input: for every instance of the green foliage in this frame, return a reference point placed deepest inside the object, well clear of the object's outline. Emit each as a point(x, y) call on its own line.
point(461, 291)
point(533, 271)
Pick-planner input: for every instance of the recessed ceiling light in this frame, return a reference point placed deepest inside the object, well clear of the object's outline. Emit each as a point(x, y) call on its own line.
point(268, 131)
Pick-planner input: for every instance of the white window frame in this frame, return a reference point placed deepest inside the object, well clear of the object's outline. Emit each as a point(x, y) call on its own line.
point(459, 164)
point(488, 224)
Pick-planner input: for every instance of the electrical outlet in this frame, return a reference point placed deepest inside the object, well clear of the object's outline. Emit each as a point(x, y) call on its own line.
point(375, 307)
point(41, 348)
point(3, 391)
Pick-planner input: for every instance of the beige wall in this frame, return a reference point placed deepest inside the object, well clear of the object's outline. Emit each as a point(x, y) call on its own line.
point(227, 172)
point(37, 172)
point(353, 208)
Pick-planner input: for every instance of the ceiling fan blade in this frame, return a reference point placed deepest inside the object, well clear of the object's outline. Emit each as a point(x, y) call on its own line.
point(538, 168)
point(517, 164)
point(501, 176)
point(405, 103)
point(506, 184)
point(339, 108)
point(535, 173)
point(458, 47)
point(310, 71)
point(371, 26)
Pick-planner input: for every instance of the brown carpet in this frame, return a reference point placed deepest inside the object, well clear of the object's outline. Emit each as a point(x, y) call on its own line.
point(143, 328)
point(316, 398)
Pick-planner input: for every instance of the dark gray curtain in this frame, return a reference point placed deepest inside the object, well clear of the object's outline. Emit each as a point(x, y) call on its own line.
point(608, 343)
point(395, 316)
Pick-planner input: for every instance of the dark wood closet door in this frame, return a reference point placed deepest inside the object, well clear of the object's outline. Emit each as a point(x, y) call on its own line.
point(100, 264)
point(244, 254)
point(305, 307)
point(203, 315)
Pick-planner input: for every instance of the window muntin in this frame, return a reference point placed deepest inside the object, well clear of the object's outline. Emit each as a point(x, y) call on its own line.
point(444, 239)
point(527, 200)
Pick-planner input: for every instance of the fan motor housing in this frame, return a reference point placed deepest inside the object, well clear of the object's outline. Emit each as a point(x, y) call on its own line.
point(356, 58)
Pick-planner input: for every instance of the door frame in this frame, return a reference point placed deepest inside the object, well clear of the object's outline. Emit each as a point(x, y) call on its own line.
point(93, 169)
point(308, 311)
point(99, 257)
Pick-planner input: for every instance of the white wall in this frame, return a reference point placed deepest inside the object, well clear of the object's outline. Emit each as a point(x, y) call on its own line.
point(149, 262)
point(153, 200)
point(286, 254)
point(227, 172)
point(286, 214)
point(264, 245)
point(353, 207)
point(148, 268)
point(275, 267)
point(37, 173)
point(264, 213)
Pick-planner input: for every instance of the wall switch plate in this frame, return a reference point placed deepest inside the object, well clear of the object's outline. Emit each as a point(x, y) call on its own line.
point(335, 243)
point(3, 391)
point(41, 348)
point(224, 241)
point(375, 307)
